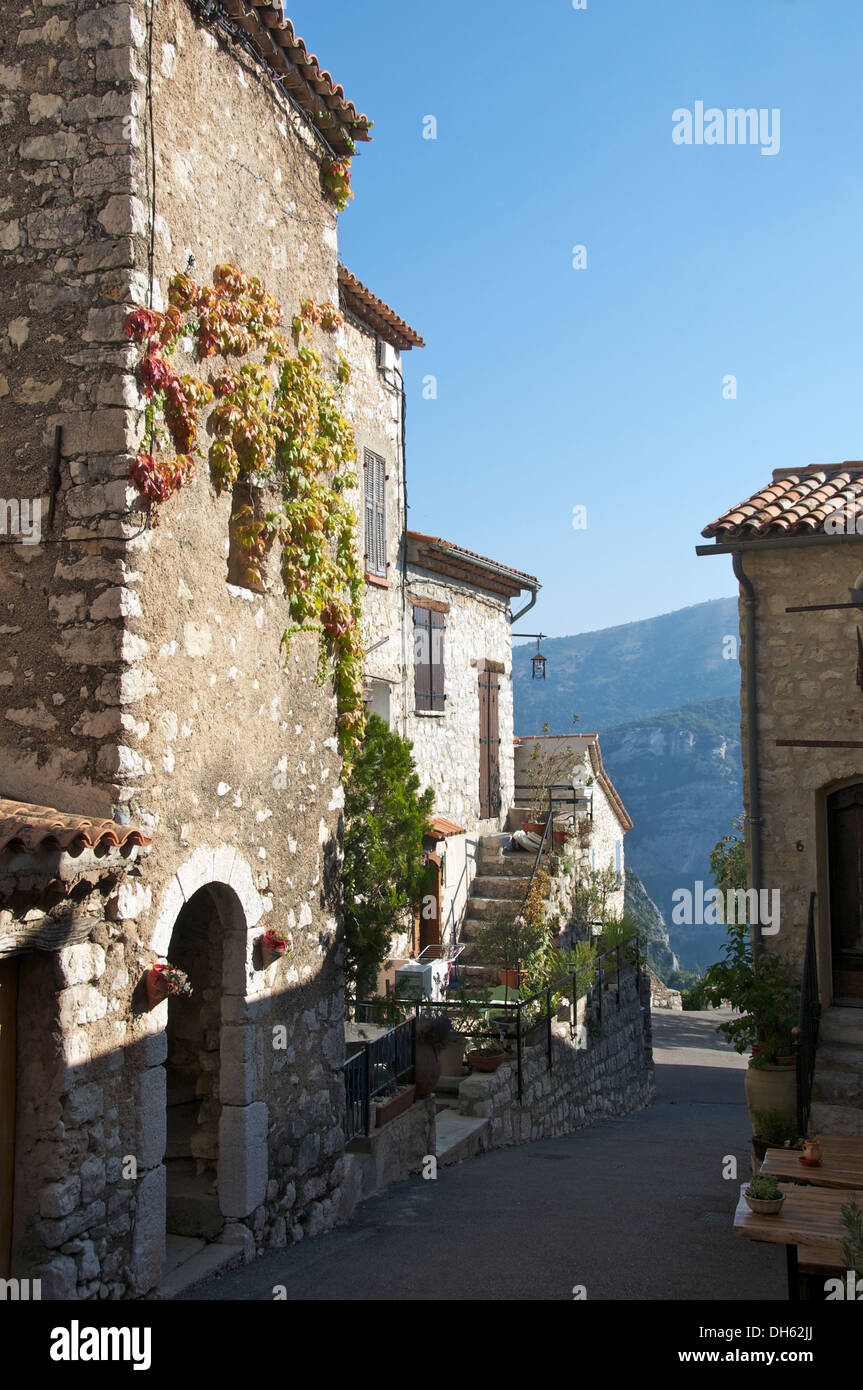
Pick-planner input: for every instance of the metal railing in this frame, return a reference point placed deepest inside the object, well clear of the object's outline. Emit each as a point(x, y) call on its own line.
point(376, 1064)
point(808, 1023)
point(524, 1027)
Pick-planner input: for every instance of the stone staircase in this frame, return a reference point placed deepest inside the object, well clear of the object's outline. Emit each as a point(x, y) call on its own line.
point(837, 1090)
point(498, 889)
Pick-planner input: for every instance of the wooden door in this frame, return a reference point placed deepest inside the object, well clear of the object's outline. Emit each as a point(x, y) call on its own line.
point(427, 926)
point(8, 1018)
point(489, 745)
point(845, 863)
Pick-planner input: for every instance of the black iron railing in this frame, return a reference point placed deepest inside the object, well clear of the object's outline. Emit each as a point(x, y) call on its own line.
point(375, 1064)
point(808, 1023)
point(524, 1020)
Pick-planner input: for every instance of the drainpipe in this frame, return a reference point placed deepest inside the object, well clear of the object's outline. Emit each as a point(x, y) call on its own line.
point(514, 617)
point(753, 778)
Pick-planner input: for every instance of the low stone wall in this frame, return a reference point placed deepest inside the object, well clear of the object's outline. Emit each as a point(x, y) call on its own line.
point(593, 1075)
point(662, 996)
point(387, 1155)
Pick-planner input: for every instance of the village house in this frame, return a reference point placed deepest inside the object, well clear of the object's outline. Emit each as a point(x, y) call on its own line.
point(798, 557)
point(170, 775)
point(437, 627)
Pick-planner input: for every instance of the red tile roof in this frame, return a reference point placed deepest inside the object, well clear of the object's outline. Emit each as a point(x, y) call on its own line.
point(796, 503)
point(33, 828)
point(440, 828)
point(477, 569)
point(359, 301)
point(310, 86)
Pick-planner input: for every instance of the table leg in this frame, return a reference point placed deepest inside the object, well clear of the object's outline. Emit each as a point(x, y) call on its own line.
point(793, 1274)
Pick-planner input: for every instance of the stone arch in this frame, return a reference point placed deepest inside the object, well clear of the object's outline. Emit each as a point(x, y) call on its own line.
point(213, 903)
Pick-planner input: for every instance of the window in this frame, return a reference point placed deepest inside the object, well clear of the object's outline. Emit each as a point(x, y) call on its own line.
point(374, 490)
point(618, 855)
point(429, 627)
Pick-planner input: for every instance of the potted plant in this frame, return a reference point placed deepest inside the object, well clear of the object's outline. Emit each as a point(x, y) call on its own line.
point(392, 1102)
point(550, 765)
point(487, 1057)
point(764, 1196)
point(507, 942)
point(434, 1032)
point(773, 1129)
point(761, 991)
point(163, 979)
point(274, 943)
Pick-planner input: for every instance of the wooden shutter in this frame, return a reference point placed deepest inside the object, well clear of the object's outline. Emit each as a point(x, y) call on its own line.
point(422, 658)
point(438, 624)
point(489, 745)
point(8, 1018)
point(375, 514)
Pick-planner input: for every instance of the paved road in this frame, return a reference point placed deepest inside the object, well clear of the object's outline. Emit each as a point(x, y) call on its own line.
point(634, 1208)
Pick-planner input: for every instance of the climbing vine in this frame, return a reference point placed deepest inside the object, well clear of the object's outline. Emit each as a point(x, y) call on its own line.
point(275, 422)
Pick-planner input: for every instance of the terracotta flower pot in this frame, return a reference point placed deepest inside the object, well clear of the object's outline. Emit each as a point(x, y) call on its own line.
point(452, 1058)
point(812, 1155)
point(386, 1110)
point(426, 1069)
point(157, 986)
point(771, 1088)
point(534, 827)
point(271, 949)
point(485, 1061)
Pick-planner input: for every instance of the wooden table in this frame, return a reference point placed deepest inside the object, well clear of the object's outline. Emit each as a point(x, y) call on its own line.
point(810, 1216)
point(842, 1165)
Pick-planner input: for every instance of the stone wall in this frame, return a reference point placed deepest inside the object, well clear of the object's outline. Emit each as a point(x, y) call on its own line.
point(807, 689)
point(598, 1073)
point(136, 681)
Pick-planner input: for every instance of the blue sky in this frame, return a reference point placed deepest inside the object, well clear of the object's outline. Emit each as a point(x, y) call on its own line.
point(602, 387)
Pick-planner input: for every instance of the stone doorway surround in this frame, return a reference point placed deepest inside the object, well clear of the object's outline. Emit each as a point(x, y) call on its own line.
point(242, 1169)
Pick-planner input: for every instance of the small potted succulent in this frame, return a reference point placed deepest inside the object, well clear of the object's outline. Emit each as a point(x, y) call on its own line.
point(764, 1196)
point(274, 944)
point(163, 979)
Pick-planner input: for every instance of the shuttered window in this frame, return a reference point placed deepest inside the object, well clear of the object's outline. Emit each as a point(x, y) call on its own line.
point(374, 489)
point(428, 659)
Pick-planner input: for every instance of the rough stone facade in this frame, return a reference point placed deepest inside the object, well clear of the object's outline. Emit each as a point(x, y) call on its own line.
point(137, 683)
point(610, 1072)
point(806, 672)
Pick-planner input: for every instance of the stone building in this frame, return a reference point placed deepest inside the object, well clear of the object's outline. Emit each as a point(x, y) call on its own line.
point(797, 551)
point(437, 623)
point(195, 774)
point(577, 762)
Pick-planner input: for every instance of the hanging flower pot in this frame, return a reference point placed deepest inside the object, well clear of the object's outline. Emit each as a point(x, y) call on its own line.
point(274, 944)
point(163, 979)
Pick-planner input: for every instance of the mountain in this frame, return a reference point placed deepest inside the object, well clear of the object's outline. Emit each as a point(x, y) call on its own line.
point(679, 774)
point(642, 909)
point(620, 674)
point(664, 695)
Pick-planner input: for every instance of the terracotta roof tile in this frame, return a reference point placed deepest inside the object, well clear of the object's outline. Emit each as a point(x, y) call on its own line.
point(272, 36)
point(441, 827)
point(472, 558)
point(364, 305)
point(28, 828)
point(795, 503)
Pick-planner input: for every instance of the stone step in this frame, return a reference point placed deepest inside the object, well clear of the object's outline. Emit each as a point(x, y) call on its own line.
point(490, 844)
point(212, 1259)
point(836, 1057)
point(837, 1087)
point(470, 928)
point(835, 1119)
point(842, 1026)
point(458, 1136)
point(191, 1209)
point(488, 908)
point(505, 866)
point(500, 886)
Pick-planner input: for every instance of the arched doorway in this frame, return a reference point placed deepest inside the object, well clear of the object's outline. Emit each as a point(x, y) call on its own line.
point(192, 1067)
point(845, 869)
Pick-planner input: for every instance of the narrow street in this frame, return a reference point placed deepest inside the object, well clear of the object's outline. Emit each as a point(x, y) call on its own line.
point(635, 1208)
